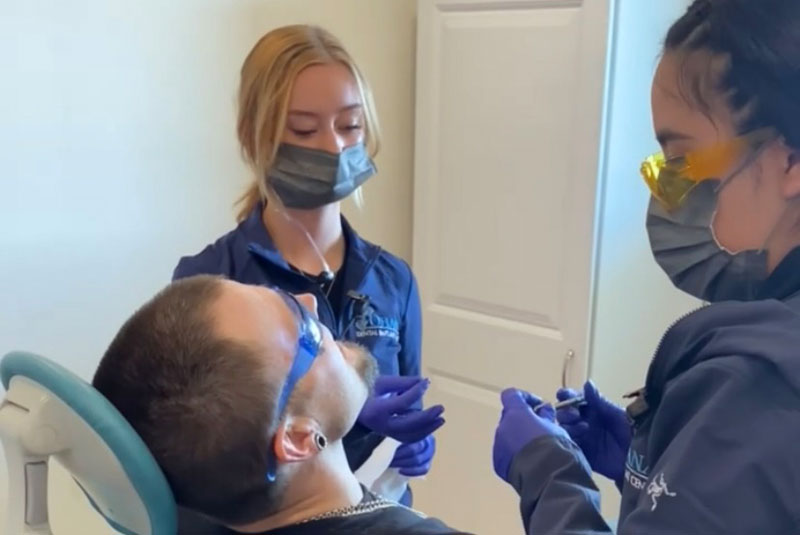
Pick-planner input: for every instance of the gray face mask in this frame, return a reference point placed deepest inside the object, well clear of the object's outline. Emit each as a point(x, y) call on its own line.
point(685, 247)
point(306, 178)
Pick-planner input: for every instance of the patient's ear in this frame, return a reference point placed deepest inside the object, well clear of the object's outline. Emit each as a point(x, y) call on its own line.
point(295, 439)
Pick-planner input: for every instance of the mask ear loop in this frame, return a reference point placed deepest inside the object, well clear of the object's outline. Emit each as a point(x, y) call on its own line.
point(746, 162)
point(750, 160)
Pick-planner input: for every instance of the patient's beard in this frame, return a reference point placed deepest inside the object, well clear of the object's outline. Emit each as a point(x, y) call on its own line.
point(364, 363)
point(343, 409)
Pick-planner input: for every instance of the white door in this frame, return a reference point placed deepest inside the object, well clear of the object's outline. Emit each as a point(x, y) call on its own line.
point(509, 112)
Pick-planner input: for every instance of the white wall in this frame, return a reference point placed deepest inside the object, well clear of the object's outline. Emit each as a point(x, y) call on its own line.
point(118, 155)
point(634, 300)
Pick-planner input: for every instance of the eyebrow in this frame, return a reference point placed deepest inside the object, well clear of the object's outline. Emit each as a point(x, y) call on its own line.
point(667, 136)
point(304, 113)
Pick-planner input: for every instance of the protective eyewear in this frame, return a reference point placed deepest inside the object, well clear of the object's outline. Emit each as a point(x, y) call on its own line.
point(309, 341)
point(671, 179)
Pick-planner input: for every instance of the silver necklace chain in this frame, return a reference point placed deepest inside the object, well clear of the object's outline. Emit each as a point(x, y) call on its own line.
point(355, 510)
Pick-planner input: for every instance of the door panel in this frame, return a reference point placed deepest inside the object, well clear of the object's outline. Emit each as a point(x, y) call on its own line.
point(509, 107)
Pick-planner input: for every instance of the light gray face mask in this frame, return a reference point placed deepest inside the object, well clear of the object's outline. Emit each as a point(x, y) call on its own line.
point(685, 247)
point(306, 178)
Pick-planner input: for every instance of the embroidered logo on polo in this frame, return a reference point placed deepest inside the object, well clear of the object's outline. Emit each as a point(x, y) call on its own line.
point(636, 470)
point(369, 324)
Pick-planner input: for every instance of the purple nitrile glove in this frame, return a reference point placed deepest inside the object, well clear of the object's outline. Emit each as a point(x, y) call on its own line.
point(389, 411)
point(519, 426)
point(414, 459)
point(600, 428)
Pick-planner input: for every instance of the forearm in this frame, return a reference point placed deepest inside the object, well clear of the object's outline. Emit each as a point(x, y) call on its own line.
point(557, 493)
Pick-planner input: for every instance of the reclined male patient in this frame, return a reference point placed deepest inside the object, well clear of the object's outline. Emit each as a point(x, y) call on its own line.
point(243, 397)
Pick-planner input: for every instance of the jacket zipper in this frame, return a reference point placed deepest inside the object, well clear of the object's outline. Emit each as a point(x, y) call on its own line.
point(329, 308)
point(639, 406)
point(672, 326)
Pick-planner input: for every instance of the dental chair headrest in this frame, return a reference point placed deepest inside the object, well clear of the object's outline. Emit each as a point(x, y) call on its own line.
point(50, 412)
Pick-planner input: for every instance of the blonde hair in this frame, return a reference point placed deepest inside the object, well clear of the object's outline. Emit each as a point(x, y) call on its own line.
point(267, 79)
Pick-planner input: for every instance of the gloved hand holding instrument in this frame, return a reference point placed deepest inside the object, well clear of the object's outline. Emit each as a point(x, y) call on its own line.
point(600, 428)
point(520, 425)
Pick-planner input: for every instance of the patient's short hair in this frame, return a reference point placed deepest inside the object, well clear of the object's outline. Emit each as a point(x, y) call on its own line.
point(204, 405)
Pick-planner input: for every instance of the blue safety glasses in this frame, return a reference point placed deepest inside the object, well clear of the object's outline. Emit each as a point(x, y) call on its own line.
point(309, 340)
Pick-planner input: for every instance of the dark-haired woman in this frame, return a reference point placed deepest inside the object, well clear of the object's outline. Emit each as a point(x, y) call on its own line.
point(711, 444)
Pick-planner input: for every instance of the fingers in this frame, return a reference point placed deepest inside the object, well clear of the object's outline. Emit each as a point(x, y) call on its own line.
point(417, 471)
point(414, 459)
point(608, 411)
point(547, 412)
point(395, 384)
point(410, 451)
point(577, 431)
point(581, 429)
point(412, 419)
point(568, 416)
point(514, 398)
point(416, 425)
point(564, 394)
point(511, 398)
point(432, 427)
point(407, 399)
point(591, 393)
point(415, 453)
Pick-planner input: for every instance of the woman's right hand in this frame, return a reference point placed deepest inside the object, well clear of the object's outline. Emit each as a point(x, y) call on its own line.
point(600, 428)
point(391, 412)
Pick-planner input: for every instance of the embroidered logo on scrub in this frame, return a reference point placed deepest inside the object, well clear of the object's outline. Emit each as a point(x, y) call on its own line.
point(658, 488)
point(370, 323)
point(636, 470)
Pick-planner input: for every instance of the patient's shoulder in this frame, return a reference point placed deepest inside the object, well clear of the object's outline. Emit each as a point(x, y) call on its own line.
point(373, 516)
point(378, 518)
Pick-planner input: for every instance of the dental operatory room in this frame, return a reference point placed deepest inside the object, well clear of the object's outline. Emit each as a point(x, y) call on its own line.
point(399, 267)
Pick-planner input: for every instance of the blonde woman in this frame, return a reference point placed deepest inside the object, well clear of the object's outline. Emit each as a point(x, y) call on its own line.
point(308, 129)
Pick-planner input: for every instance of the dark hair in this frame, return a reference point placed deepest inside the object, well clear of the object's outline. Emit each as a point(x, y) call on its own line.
point(203, 405)
point(760, 41)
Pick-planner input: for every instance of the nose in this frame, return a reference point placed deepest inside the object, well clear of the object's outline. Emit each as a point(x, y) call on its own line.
point(309, 302)
point(332, 142)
